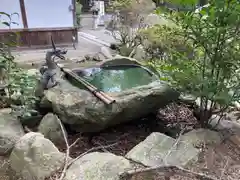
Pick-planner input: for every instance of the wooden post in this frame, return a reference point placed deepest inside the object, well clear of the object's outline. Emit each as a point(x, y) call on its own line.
point(23, 12)
point(74, 12)
point(75, 20)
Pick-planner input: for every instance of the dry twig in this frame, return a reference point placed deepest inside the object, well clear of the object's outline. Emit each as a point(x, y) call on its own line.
point(166, 170)
point(224, 169)
point(90, 150)
point(174, 145)
point(67, 156)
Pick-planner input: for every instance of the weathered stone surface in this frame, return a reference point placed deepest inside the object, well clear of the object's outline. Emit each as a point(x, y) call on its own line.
point(237, 105)
point(34, 157)
point(140, 53)
point(235, 139)
point(86, 113)
point(198, 137)
point(106, 52)
point(97, 166)
point(224, 124)
point(5, 111)
point(51, 128)
point(159, 149)
point(233, 116)
point(11, 131)
point(187, 98)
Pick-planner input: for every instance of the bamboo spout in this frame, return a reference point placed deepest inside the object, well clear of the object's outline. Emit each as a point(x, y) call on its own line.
point(99, 94)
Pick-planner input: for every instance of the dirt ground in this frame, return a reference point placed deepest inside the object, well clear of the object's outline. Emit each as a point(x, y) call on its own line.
point(221, 162)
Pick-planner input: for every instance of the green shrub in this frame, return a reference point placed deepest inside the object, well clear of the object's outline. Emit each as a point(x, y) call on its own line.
point(20, 84)
point(128, 20)
point(213, 73)
point(160, 39)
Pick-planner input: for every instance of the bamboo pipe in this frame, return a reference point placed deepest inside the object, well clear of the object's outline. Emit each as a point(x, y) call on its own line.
point(90, 85)
point(99, 94)
point(92, 89)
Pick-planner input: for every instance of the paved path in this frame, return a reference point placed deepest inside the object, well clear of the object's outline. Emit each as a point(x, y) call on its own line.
point(100, 35)
point(90, 42)
point(83, 48)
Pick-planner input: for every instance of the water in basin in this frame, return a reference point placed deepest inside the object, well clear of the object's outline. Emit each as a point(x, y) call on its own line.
point(117, 78)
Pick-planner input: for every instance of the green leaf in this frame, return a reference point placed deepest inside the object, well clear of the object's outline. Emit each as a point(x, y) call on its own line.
point(6, 23)
point(6, 14)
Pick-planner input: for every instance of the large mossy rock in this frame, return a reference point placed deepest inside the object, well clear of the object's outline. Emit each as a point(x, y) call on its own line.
point(86, 113)
point(11, 131)
point(51, 129)
point(98, 166)
point(35, 157)
point(158, 150)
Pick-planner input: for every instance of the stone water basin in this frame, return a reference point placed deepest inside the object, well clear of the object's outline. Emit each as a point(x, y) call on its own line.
point(137, 92)
point(117, 78)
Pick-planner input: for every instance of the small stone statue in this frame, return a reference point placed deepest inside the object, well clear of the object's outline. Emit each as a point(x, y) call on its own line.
point(49, 78)
point(50, 74)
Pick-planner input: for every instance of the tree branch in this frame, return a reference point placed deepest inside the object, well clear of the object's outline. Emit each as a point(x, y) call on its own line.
point(166, 170)
point(67, 156)
point(90, 150)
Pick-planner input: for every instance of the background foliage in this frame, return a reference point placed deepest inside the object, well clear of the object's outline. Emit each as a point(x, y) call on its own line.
point(212, 73)
point(20, 85)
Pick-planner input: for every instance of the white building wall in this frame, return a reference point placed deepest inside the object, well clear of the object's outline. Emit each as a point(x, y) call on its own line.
point(10, 7)
point(40, 13)
point(49, 13)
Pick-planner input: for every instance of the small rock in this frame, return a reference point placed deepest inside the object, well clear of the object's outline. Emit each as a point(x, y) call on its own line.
point(198, 137)
point(51, 128)
point(97, 58)
point(98, 166)
point(80, 60)
point(233, 116)
point(187, 98)
point(35, 157)
point(235, 139)
point(5, 111)
point(87, 57)
point(237, 104)
point(224, 124)
point(73, 59)
point(158, 149)
point(106, 52)
point(11, 131)
point(140, 53)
